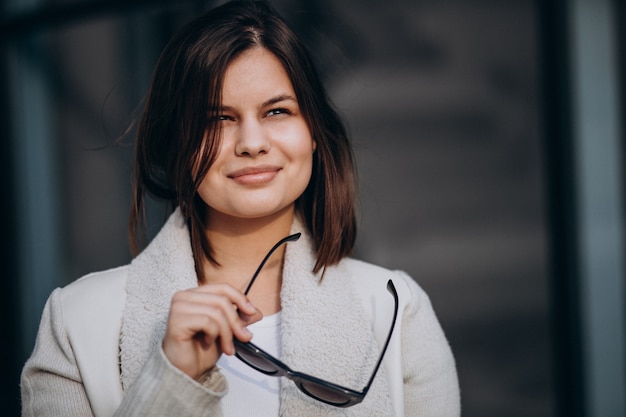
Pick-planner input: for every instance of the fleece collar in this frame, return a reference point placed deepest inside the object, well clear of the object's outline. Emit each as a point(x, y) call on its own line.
point(323, 331)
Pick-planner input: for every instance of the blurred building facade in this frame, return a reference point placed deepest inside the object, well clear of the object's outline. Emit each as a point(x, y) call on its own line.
point(490, 155)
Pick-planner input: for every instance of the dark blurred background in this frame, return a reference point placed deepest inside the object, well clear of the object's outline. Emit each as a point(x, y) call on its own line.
point(490, 149)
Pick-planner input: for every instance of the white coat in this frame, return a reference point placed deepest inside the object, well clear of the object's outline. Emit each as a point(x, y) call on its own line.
point(102, 333)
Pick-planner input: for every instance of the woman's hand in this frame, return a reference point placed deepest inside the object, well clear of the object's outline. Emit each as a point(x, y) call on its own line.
point(201, 326)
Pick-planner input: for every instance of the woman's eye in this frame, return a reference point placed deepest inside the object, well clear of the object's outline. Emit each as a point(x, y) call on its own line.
point(219, 118)
point(274, 112)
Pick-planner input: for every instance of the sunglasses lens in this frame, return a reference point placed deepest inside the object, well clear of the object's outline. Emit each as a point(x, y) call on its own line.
point(255, 360)
point(326, 394)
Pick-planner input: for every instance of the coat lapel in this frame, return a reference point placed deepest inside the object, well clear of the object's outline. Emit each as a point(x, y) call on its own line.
point(164, 267)
point(323, 338)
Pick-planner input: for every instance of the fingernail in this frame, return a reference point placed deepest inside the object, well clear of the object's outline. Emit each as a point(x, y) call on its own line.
point(246, 331)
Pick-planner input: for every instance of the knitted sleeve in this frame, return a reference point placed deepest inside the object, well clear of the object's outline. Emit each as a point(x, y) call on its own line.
point(51, 382)
point(430, 379)
point(161, 390)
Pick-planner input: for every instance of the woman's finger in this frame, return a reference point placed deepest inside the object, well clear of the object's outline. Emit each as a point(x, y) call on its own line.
point(236, 297)
point(198, 301)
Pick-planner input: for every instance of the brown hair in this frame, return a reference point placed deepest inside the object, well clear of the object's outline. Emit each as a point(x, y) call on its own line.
point(178, 140)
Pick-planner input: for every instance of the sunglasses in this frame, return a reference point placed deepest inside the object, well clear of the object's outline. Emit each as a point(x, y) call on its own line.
point(319, 389)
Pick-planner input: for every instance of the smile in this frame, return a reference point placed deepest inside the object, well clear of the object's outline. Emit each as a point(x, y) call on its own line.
point(254, 175)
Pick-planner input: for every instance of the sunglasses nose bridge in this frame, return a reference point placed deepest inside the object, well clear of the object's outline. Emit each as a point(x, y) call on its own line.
point(290, 375)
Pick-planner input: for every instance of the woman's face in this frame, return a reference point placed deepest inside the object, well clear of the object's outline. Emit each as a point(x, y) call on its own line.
point(266, 154)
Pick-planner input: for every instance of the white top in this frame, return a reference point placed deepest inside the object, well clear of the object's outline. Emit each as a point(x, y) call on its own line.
point(250, 392)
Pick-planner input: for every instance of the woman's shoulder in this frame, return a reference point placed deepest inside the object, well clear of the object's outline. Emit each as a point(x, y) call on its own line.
point(95, 291)
point(371, 280)
point(106, 281)
point(91, 311)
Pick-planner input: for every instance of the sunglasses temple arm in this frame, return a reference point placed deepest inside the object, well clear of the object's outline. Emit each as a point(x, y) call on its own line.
point(392, 289)
point(284, 240)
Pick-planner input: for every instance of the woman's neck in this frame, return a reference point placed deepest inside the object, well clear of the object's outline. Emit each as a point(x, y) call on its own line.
point(239, 246)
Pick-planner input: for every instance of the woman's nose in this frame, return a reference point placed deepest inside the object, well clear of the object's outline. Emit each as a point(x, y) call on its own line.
point(252, 139)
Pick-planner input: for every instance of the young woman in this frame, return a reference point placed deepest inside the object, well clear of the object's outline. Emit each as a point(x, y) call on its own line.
point(239, 137)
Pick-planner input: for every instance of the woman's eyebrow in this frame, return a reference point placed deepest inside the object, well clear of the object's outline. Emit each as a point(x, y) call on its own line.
point(278, 99)
point(267, 103)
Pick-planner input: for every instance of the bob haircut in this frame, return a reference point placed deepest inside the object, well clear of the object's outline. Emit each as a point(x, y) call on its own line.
point(178, 137)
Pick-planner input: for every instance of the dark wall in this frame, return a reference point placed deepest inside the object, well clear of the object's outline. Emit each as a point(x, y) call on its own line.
point(9, 326)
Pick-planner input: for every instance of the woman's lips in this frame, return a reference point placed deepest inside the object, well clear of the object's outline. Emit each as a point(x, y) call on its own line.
point(254, 175)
